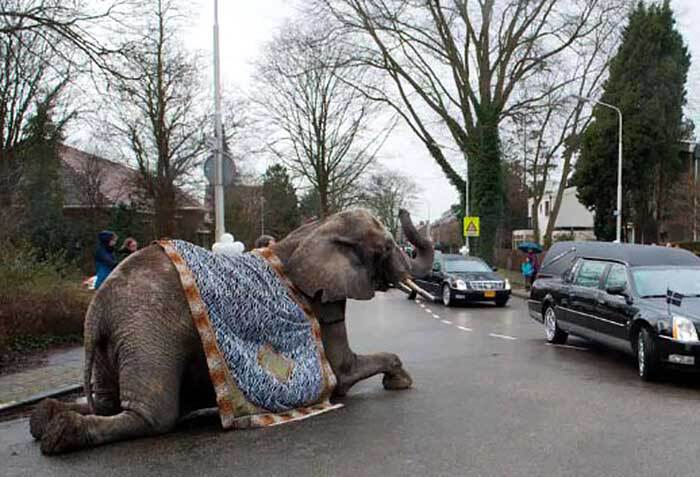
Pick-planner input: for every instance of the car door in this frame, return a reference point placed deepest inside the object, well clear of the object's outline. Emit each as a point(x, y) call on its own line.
point(613, 310)
point(584, 294)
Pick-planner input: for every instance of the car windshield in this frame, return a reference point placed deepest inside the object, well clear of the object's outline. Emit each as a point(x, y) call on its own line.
point(465, 266)
point(654, 282)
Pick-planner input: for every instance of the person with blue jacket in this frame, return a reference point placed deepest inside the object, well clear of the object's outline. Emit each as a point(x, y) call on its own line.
point(105, 260)
point(528, 270)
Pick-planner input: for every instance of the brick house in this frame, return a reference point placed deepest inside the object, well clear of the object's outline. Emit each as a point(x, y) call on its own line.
point(95, 187)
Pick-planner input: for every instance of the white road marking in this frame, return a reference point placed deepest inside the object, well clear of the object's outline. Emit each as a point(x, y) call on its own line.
point(436, 316)
point(505, 337)
point(427, 311)
point(464, 328)
point(447, 322)
point(566, 346)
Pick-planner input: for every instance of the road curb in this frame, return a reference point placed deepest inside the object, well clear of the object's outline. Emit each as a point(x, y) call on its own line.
point(14, 405)
point(520, 294)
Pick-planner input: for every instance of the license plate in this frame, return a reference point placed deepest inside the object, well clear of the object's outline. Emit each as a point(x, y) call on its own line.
point(460, 297)
point(489, 294)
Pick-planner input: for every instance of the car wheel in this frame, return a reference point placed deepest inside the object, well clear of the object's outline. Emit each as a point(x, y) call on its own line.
point(446, 295)
point(647, 356)
point(501, 302)
point(552, 331)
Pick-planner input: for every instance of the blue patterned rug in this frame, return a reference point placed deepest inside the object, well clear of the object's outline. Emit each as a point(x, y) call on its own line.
point(261, 340)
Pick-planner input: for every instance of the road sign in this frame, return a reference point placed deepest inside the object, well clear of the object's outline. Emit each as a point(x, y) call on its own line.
point(229, 169)
point(471, 226)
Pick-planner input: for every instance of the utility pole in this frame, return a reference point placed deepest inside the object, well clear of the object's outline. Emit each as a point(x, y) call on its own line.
point(466, 203)
point(618, 212)
point(219, 145)
point(262, 214)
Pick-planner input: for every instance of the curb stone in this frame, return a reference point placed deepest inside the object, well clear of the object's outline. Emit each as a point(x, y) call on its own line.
point(520, 293)
point(13, 405)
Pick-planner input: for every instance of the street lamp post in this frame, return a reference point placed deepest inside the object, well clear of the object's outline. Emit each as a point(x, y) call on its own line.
point(618, 212)
point(219, 147)
point(466, 204)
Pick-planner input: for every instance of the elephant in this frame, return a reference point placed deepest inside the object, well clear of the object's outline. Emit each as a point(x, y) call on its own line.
point(147, 360)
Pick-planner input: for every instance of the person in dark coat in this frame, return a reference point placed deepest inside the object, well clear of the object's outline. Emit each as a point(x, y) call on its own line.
point(104, 256)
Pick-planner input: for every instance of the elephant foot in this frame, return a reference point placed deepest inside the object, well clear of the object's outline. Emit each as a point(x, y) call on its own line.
point(42, 415)
point(342, 388)
point(66, 432)
point(397, 380)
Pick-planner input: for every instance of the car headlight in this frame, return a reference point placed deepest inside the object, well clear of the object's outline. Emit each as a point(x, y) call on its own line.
point(460, 284)
point(684, 329)
point(506, 284)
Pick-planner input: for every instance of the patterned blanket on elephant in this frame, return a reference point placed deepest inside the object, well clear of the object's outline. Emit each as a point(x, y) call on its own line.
point(261, 340)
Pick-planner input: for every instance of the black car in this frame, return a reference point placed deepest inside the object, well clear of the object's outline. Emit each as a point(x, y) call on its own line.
point(458, 278)
point(616, 294)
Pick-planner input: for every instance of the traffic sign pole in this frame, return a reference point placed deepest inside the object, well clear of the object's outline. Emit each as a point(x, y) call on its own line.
point(466, 203)
point(219, 148)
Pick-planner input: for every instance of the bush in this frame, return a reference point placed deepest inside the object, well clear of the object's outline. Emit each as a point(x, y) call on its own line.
point(38, 297)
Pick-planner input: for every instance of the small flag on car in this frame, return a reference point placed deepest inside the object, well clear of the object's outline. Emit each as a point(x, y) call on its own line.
point(673, 298)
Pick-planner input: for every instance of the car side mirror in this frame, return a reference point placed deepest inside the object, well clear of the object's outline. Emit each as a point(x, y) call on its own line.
point(620, 290)
point(616, 289)
point(494, 269)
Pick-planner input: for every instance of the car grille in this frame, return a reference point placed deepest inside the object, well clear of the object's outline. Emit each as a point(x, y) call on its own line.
point(487, 285)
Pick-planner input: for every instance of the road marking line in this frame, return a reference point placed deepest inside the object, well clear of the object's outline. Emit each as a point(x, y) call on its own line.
point(505, 337)
point(447, 322)
point(566, 346)
point(427, 311)
point(436, 316)
point(464, 328)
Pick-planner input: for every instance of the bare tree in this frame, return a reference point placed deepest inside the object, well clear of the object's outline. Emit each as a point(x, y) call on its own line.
point(320, 122)
point(75, 31)
point(385, 193)
point(25, 80)
point(159, 115)
point(455, 67)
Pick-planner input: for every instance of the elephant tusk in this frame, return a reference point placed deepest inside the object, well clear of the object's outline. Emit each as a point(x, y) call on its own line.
point(412, 285)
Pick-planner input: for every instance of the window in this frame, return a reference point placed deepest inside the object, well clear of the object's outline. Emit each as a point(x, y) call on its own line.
point(617, 277)
point(655, 281)
point(589, 273)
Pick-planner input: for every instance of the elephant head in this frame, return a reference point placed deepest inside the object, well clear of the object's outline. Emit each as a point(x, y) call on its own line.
point(350, 255)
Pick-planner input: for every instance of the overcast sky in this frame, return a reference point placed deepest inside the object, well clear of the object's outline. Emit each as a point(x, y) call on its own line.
point(247, 25)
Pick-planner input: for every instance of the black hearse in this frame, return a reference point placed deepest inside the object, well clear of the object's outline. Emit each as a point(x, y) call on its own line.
point(616, 294)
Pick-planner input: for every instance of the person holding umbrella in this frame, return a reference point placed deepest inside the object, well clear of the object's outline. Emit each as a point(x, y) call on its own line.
point(531, 266)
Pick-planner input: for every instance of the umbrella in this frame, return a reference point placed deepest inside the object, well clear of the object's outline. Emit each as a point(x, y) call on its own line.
point(530, 247)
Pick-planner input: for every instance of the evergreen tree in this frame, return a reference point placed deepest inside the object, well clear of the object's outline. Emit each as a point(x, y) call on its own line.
point(41, 187)
point(310, 205)
point(647, 82)
point(281, 212)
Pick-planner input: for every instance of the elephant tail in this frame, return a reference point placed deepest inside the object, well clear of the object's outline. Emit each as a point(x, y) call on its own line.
point(90, 339)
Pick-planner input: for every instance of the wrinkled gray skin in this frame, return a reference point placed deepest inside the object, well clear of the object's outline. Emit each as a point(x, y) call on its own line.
point(145, 355)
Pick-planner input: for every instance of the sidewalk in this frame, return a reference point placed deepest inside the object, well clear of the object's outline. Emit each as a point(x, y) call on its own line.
point(63, 369)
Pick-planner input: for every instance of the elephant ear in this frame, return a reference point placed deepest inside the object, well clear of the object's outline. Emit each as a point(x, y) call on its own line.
point(333, 266)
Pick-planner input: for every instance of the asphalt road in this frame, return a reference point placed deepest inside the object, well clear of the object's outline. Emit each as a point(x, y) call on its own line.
point(489, 399)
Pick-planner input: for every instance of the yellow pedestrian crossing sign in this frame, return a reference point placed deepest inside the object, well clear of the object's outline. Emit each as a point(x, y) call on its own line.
point(471, 226)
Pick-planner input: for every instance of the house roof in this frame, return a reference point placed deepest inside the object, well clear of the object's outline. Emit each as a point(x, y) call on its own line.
point(90, 180)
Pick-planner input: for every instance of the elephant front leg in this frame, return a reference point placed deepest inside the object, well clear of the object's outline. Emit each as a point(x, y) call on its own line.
point(349, 368)
point(365, 366)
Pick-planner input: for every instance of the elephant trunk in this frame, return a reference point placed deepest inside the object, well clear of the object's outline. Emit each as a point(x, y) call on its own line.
point(423, 263)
